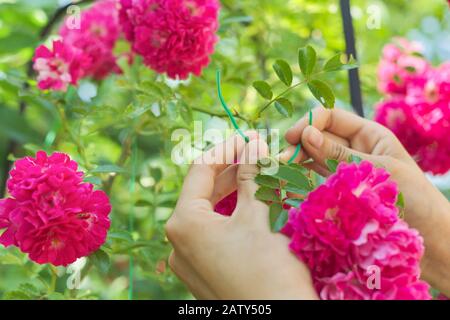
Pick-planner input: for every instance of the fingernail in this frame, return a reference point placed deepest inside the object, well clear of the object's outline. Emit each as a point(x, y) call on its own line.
point(285, 154)
point(315, 138)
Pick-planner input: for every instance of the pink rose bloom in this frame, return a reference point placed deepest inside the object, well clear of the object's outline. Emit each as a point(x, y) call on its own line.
point(396, 250)
point(341, 286)
point(349, 225)
point(401, 62)
point(227, 205)
point(7, 208)
point(422, 129)
point(442, 297)
point(417, 110)
point(52, 215)
point(98, 33)
point(396, 115)
point(176, 37)
point(58, 67)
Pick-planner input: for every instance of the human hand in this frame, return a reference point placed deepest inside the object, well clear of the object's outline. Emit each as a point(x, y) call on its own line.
point(337, 134)
point(235, 257)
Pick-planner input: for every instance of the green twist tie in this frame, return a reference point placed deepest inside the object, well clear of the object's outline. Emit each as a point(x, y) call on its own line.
point(299, 146)
point(227, 110)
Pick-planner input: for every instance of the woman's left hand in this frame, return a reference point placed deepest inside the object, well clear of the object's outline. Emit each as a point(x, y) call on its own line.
point(235, 257)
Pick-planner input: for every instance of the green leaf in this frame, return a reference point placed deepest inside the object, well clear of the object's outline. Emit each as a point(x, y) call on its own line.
point(94, 180)
point(16, 127)
point(143, 203)
point(397, 79)
point(101, 260)
point(307, 58)
point(322, 92)
point(108, 168)
point(263, 89)
point(164, 88)
point(151, 88)
point(417, 54)
point(294, 189)
point(186, 113)
point(29, 289)
point(274, 213)
point(401, 205)
point(267, 181)
point(56, 296)
point(9, 258)
point(298, 166)
point(354, 159)
point(284, 106)
point(283, 71)
point(336, 63)
point(16, 295)
point(332, 165)
point(120, 235)
point(172, 110)
point(281, 221)
point(293, 202)
point(156, 174)
point(293, 176)
point(400, 201)
point(266, 194)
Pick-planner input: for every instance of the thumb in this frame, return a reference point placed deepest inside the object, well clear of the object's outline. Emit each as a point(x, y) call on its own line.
point(320, 148)
point(247, 171)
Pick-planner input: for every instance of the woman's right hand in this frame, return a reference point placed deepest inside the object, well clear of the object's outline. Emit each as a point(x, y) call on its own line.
point(338, 134)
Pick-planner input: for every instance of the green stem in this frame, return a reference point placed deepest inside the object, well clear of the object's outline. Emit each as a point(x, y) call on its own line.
point(68, 130)
point(54, 277)
point(220, 114)
point(126, 152)
point(268, 104)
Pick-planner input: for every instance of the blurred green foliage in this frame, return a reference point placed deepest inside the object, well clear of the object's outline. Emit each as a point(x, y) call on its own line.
point(140, 105)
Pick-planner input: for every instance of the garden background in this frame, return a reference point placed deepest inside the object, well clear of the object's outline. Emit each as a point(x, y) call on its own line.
point(102, 119)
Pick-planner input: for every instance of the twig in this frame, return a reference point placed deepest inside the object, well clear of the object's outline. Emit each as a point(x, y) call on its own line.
point(268, 104)
point(220, 114)
point(68, 130)
point(126, 152)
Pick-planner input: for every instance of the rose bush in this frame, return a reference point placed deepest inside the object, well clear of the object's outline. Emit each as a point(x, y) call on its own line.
point(89, 103)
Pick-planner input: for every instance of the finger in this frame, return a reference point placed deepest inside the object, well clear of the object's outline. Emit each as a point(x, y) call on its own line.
point(247, 171)
point(199, 183)
point(321, 148)
point(336, 121)
point(225, 184)
point(184, 271)
point(288, 153)
point(336, 138)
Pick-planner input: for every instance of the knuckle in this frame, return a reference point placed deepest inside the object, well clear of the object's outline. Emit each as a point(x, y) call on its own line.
point(198, 206)
point(173, 262)
point(392, 165)
point(182, 225)
point(171, 228)
point(247, 176)
point(339, 152)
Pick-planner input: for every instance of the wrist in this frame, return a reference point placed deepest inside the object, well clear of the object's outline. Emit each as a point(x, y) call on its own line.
point(436, 261)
